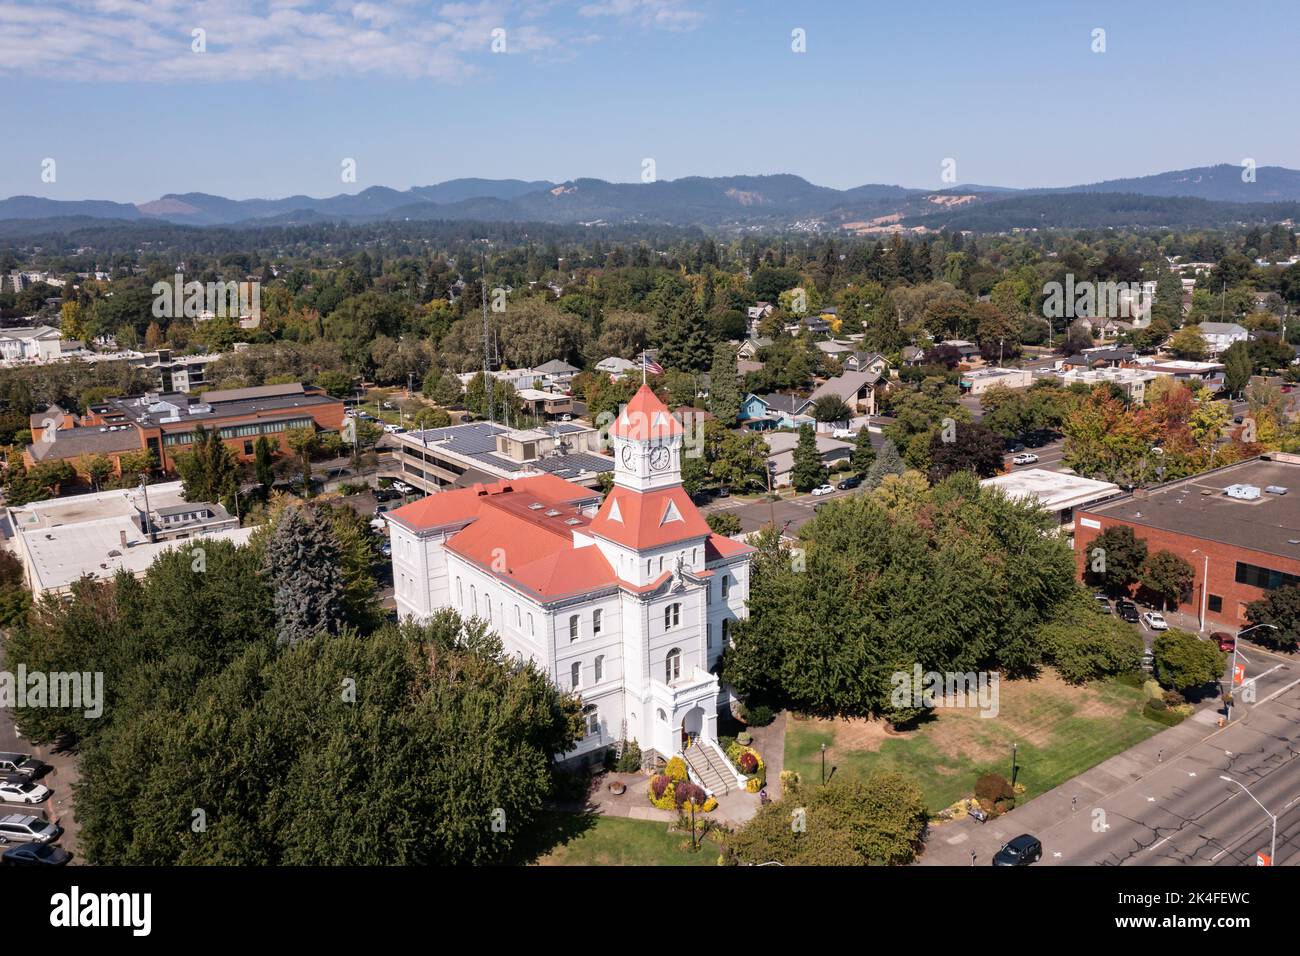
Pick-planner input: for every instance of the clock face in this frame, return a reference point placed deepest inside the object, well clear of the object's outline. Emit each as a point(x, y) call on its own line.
point(659, 458)
point(627, 456)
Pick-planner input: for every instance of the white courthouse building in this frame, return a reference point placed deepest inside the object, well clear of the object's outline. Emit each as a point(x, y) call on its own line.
point(627, 603)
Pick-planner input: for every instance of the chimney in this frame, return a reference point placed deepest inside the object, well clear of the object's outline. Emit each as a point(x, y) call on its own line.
point(122, 535)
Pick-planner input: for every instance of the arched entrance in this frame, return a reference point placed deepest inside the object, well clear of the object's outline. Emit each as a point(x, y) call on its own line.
point(692, 726)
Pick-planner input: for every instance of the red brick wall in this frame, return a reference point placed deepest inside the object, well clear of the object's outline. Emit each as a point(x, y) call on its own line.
point(1222, 567)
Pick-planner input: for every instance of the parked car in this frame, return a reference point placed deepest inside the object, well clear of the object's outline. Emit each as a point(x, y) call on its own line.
point(35, 854)
point(1227, 642)
point(25, 828)
point(1128, 611)
point(566, 417)
point(850, 482)
point(1021, 851)
point(843, 433)
point(1025, 458)
point(386, 549)
point(25, 764)
point(1103, 603)
point(823, 490)
point(20, 789)
point(386, 494)
point(402, 488)
point(1148, 661)
point(1155, 620)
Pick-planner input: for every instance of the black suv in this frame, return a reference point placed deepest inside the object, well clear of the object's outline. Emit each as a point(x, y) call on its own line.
point(850, 482)
point(1128, 611)
point(1021, 851)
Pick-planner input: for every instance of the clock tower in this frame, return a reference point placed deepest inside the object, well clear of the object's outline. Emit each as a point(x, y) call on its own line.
point(647, 444)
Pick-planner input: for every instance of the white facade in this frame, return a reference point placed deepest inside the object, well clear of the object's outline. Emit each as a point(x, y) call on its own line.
point(638, 642)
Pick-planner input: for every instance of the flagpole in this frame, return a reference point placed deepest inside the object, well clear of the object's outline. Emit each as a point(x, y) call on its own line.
point(643, 366)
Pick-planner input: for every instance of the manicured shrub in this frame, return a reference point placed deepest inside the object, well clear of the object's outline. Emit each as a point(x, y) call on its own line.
point(993, 788)
point(1162, 714)
point(744, 739)
point(659, 786)
point(759, 716)
point(748, 762)
point(676, 769)
point(688, 793)
point(630, 762)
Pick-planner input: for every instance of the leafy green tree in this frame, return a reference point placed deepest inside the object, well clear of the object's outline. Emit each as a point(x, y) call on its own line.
point(302, 565)
point(208, 470)
point(1279, 608)
point(740, 460)
point(1167, 576)
point(304, 443)
point(1115, 559)
point(505, 398)
point(1185, 662)
point(1238, 367)
point(808, 472)
point(97, 469)
point(831, 408)
point(723, 522)
point(879, 820)
point(1189, 344)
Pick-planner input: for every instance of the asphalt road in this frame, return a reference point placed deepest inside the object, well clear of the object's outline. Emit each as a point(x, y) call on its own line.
point(59, 806)
point(1163, 802)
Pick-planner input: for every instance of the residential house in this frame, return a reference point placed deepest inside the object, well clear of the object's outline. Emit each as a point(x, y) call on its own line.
point(781, 447)
point(774, 410)
point(1219, 335)
point(857, 389)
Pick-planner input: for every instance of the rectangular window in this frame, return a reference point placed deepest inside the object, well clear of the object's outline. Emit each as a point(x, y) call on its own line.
point(1266, 578)
point(1215, 603)
point(726, 586)
point(573, 627)
point(595, 621)
point(708, 636)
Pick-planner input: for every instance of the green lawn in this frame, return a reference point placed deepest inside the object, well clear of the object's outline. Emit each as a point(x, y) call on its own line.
point(1060, 731)
point(618, 841)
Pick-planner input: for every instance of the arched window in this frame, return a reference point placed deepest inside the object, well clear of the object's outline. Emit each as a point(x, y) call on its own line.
point(673, 665)
point(726, 586)
point(518, 616)
point(596, 616)
point(661, 715)
point(460, 594)
point(575, 674)
point(672, 616)
point(473, 600)
point(591, 717)
point(573, 627)
point(532, 632)
point(599, 674)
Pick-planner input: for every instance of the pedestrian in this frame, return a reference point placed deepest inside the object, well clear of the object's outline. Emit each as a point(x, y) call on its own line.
point(1074, 804)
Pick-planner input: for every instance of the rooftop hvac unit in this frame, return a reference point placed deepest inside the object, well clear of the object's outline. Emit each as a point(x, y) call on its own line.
point(1275, 490)
point(1242, 492)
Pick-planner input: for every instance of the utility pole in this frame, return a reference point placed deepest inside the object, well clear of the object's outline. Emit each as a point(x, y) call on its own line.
point(487, 339)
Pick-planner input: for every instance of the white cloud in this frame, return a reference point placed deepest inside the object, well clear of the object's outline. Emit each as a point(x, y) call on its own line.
point(136, 41)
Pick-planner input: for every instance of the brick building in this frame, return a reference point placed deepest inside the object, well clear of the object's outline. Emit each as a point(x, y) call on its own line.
point(1237, 526)
point(165, 423)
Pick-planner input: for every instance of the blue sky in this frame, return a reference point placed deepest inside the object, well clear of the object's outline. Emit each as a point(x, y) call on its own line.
point(287, 89)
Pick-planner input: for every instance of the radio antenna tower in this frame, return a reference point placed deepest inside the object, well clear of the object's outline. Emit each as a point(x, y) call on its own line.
point(487, 340)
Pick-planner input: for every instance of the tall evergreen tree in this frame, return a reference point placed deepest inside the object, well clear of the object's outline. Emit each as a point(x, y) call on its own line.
point(864, 455)
point(263, 458)
point(208, 470)
point(724, 385)
point(684, 337)
point(808, 471)
point(888, 462)
point(302, 565)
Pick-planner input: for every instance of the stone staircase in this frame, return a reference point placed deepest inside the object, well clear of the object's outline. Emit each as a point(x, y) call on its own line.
point(711, 769)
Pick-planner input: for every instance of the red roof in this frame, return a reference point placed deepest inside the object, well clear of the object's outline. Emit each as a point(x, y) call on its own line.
point(463, 504)
point(720, 546)
point(645, 418)
point(648, 519)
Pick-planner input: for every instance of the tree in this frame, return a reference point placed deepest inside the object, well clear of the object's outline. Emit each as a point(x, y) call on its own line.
point(975, 448)
point(505, 398)
point(97, 469)
point(302, 567)
point(1115, 558)
point(1167, 576)
point(1185, 662)
point(1279, 608)
point(808, 470)
point(264, 462)
point(208, 470)
point(1238, 367)
point(864, 454)
point(1189, 344)
point(723, 522)
point(879, 820)
point(888, 462)
point(304, 443)
point(740, 459)
point(724, 385)
point(831, 408)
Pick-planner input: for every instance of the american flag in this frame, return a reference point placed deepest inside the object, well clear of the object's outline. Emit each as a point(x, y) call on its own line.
point(650, 365)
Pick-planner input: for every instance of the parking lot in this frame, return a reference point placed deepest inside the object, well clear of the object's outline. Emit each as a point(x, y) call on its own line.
point(58, 808)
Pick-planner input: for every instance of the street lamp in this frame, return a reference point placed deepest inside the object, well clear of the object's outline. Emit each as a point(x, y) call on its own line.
point(1272, 852)
point(823, 765)
point(1205, 586)
point(1013, 764)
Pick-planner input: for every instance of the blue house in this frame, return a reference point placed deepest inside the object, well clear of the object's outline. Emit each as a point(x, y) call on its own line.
point(776, 410)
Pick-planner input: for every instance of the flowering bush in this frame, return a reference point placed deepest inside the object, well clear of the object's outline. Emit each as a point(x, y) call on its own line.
point(676, 769)
point(659, 786)
point(688, 794)
point(669, 794)
point(748, 762)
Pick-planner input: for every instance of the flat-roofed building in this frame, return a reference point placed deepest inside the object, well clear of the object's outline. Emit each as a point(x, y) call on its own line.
point(1237, 526)
point(1057, 493)
point(980, 380)
point(1131, 381)
point(63, 539)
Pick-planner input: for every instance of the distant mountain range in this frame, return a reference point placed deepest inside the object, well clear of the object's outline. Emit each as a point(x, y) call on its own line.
point(1204, 196)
